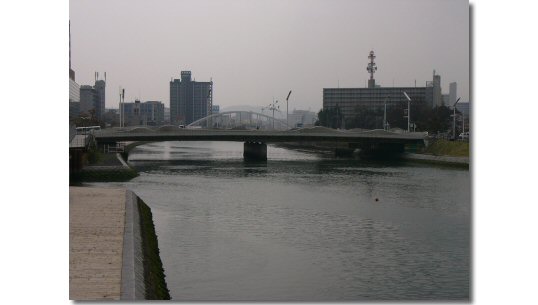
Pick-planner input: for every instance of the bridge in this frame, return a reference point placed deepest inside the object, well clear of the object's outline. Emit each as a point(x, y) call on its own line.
point(372, 142)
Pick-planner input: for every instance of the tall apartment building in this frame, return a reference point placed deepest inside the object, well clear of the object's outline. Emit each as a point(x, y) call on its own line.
point(89, 99)
point(100, 86)
point(452, 92)
point(93, 97)
point(189, 100)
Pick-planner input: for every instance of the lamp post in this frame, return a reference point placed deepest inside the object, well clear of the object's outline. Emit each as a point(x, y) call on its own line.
point(454, 118)
point(408, 111)
point(287, 115)
point(385, 114)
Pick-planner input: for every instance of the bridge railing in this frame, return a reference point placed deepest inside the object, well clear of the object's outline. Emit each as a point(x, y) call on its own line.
point(118, 147)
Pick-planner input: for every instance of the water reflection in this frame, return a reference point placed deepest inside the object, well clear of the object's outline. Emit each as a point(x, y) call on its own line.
point(304, 226)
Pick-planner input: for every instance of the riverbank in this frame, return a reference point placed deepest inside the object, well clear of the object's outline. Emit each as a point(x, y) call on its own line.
point(107, 167)
point(113, 248)
point(426, 158)
point(439, 152)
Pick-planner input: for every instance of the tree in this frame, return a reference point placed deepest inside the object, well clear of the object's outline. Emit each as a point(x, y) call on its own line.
point(330, 117)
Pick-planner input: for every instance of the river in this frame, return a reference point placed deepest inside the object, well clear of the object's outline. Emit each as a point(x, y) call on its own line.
point(304, 226)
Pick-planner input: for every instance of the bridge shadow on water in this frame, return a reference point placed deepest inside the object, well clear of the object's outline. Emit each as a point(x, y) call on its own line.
point(240, 168)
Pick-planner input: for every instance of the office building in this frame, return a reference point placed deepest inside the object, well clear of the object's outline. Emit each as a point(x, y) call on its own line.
point(453, 93)
point(189, 100)
point(74, 88)
point(100, 86)
point(375, 96)
point(89, 99)
point(150, 113)
point(167, 115)
point(93, 97)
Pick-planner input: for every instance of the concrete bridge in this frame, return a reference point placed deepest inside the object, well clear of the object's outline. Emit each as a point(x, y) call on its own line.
point(373, 142)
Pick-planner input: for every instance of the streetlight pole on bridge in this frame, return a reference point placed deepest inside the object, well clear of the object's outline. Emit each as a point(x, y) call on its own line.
point(408, 111)
point(385, 114)
point(287, 114)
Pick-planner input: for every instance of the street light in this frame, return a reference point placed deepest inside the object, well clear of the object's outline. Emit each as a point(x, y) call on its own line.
point(385, 114)
point(454, 117)
point(287, 115)
point(408, 111)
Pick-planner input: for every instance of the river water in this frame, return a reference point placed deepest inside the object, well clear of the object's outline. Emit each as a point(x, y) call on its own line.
point(304, 226)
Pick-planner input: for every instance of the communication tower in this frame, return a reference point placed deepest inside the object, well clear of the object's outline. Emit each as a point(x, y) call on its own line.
point(372, 67)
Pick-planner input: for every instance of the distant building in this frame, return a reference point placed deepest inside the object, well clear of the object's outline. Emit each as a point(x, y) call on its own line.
point(167, 115)
point(302, 118)
point(215, 109)
point(93, 97)
point(464, 108)
point(453, 93)
point(100, 86)
point(374, 96)
point(189, 100)
point(437, 100)
point(89, 99)
point(148, 113)
point(74, 98)
point(446, 99)
point(74, 88)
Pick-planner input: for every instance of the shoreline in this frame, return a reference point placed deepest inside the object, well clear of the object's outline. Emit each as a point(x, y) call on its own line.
point(113, 248)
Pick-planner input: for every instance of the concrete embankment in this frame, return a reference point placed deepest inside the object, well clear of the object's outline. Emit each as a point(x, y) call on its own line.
point(111, 167)
point(462, 161)
point(113, 248)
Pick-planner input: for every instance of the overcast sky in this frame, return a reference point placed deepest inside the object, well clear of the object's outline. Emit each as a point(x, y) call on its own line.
point(257, 50)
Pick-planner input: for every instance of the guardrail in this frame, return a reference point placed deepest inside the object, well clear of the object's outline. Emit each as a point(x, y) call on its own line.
point(119, 147)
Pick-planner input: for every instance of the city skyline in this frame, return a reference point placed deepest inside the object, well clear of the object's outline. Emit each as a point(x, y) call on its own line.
point(256, 50)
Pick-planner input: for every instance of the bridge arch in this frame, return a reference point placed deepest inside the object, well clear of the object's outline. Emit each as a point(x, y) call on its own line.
point(239, 120)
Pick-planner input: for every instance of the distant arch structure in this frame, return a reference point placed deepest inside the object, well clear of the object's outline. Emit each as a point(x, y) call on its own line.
point(241, 120)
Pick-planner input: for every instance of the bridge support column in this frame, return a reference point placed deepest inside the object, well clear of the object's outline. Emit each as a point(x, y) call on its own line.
point(256, 151)
point(343, 152)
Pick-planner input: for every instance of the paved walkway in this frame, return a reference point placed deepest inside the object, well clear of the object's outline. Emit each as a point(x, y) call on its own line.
point(96, 228)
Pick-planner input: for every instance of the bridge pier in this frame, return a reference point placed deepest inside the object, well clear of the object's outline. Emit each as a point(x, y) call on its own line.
point(255, 151)
point(343, 152)
point(381, 150)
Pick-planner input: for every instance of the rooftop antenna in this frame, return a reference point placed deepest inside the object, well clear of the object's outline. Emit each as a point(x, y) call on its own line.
point(371, 68)
point(105, 77)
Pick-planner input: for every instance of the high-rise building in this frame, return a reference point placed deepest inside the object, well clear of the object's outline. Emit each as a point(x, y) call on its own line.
point(437, 95)
point(89, 99)
point(74, 88)
point(93, 97)
point(453, 93)
point(189, 100)
point(100, 86)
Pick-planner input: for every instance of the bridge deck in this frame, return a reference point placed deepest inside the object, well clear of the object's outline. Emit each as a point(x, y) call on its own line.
point(143, 134)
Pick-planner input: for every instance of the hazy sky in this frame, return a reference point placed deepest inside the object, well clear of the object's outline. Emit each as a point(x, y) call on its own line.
point(257, 50)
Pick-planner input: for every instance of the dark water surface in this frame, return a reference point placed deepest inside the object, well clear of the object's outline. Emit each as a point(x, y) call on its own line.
point(304, 226)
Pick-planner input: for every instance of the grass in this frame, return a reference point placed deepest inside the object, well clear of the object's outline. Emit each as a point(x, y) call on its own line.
point(154, 278)
point(448, 148)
